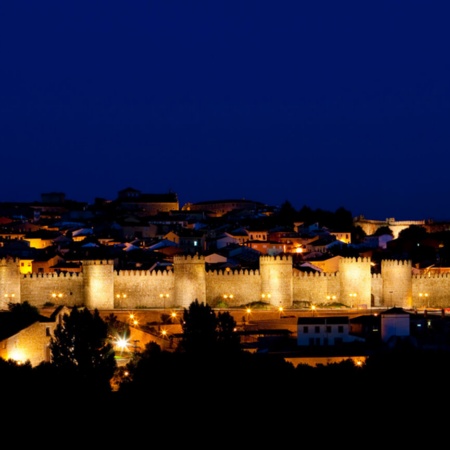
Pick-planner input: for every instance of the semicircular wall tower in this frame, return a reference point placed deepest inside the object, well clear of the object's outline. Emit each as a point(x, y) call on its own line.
point(190, 279)
point(98, 280)
point(397, 283)
point(9, 282)
point(277, 279)
point(355, 281)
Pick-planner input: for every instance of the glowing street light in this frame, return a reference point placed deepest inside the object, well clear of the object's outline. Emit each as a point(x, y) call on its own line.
point(121, 343)
point(280, 309)
point(133, 319)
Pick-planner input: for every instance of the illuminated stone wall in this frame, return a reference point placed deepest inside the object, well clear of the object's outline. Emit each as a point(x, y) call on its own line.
point(397, 283)
point(100, 287)
point(31, 344)
point(59, 289)
point(276, 279)
point(431, 290)
point(190, 280)
point(312, 287)
point(140, 288)
point(233, 288)
point(355, 282)
point(9, 282)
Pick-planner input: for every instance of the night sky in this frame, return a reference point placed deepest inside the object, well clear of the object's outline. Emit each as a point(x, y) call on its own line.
point(325, 104)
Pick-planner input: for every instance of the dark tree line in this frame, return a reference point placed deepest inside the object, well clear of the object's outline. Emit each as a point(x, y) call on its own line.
point(208, 369)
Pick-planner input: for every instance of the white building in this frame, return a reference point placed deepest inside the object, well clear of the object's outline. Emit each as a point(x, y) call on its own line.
point(324, 331)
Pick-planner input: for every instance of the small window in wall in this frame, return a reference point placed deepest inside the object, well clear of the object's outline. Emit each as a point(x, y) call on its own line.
point(305, 330)
point(316, 329)
point(328, 328)
point(47, 331)
point(340, 329)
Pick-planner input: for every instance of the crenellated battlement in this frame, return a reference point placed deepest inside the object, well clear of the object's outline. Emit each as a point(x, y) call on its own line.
point(183, 259)
point(431, 275)
point(53, 275)
point(299, 274)
point(8, 260)
point(98, 262)
point(395, 263)
point(233, 273)
point(274, 258)
point(144, 273)
point(354, 260)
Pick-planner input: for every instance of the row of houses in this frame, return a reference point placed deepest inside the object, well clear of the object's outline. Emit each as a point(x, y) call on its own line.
point(143, 231)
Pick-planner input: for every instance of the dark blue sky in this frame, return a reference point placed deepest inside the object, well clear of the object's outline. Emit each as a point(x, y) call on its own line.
point(326, 103)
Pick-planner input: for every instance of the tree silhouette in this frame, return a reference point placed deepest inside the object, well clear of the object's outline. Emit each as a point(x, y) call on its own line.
point(116, 328)
point(227, 339)
point(199, 329)
point(23, 313)
point(81, 348)
point(383, 230)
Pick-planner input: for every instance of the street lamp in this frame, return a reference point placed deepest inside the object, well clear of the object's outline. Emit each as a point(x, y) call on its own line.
point(352, 297)
point(313, 309)
point(280, 309)
point(133, 319)
point(119, 297)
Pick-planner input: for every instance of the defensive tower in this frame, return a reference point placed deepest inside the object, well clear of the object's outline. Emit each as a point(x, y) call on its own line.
point(355, 281)
point(276, 280)
point(9, 282)
point(98, 278)
point(190, 279)
point(397, 283)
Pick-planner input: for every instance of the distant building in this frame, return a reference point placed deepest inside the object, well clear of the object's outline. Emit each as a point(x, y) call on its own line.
point(324, 331)
point(394, 322)
point(133, 200)
point(218, 208)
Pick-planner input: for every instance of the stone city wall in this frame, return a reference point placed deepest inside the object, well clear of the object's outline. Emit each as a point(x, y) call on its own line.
point(277, 283)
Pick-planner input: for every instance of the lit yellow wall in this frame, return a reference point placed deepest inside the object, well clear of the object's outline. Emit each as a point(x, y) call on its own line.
point(25, 266)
